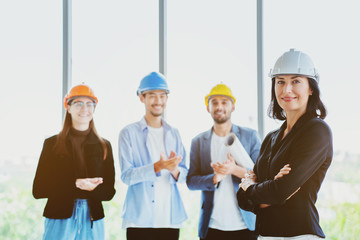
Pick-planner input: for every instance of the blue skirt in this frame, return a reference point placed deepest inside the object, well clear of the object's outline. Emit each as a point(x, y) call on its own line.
point(77, 227)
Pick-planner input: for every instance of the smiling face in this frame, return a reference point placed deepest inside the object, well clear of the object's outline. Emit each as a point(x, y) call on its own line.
point(155, 102)
point(292, 93)
point(220, 108)
point(81, 110)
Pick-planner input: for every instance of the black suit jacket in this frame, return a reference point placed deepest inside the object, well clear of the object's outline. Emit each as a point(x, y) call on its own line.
point(308, 150)
point(55, 178)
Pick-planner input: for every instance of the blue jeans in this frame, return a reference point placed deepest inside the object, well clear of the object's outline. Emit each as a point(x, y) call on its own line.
point(77, 227)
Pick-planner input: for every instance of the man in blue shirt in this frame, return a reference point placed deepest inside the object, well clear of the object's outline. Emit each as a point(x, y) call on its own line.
point(152, 162)
point(214, 171)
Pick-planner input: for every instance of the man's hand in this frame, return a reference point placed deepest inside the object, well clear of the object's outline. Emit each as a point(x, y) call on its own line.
point(218, 178)
point(235, 169)
point(171, 164)
point(227, 167)
point(88, 184)
point(220, 170)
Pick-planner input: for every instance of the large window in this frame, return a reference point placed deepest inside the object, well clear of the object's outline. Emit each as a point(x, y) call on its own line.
point(30, 74)
point(115, 44)
point(209, 43)
point(30, 95)
point(328, 32)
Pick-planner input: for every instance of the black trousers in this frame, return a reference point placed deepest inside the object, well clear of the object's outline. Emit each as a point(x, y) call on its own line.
point(245, 234)
point(152, 233)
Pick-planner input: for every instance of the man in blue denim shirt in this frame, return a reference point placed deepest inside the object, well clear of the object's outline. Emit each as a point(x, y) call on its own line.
point(152, 162)
point(214, 172)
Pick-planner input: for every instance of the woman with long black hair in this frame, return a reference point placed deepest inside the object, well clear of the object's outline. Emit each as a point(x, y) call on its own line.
point(75, 173)
point(285, 205)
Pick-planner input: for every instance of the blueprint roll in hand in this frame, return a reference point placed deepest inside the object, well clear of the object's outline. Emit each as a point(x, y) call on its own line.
point(238, 152)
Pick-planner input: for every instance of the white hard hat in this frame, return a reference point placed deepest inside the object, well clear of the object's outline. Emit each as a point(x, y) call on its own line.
point(294, 62)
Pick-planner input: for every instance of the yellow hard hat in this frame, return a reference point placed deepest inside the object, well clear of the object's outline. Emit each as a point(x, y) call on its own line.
point(220, 90)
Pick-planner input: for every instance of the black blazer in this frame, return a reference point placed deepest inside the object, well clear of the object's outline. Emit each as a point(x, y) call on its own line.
point(308, 150)
point(55, 178)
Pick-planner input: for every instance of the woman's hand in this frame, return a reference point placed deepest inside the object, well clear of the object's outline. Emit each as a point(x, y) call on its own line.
point(251, 175)
point(88, 184)
point(284, 171)
point(248, 180)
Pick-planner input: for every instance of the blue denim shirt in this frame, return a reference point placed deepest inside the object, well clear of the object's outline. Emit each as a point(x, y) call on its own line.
point(137, 171)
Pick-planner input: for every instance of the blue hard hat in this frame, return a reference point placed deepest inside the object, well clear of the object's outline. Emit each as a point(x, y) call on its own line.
point(153, 81)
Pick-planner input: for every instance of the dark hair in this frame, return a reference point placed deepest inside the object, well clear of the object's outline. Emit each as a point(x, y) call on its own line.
point(60, 145)
point(315, 106)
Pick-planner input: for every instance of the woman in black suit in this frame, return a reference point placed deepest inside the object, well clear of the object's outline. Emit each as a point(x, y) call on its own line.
point(285, 207)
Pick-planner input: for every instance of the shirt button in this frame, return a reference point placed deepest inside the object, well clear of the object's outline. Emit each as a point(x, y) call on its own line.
point(153, 201)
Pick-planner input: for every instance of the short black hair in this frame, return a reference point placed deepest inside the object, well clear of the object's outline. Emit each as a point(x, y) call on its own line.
point(315, 107)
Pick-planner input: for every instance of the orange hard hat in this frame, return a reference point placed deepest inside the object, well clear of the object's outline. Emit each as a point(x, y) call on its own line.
point(81, 90)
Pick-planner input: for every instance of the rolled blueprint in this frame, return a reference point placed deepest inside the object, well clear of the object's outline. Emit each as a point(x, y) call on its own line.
point(238, 152)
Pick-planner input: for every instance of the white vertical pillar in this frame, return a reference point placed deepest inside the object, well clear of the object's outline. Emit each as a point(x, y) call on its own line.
point(67, 53)
point(162, 40)
point(162, 37)
point(260, 67)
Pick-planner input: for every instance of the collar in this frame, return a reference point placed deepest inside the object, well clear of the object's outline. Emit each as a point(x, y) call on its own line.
point(143, 124)
point(78, 133)
point(277, 137)
point(208, 133)
point(90, 139)
point(303, 119)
